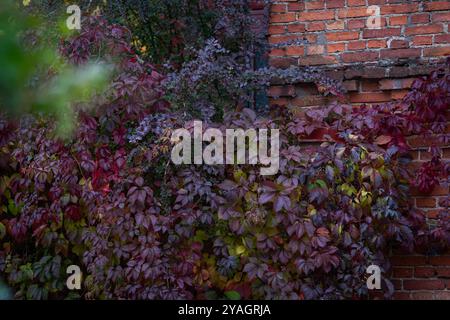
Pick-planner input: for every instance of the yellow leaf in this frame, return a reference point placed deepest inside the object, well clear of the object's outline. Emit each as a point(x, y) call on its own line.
point(240, 250)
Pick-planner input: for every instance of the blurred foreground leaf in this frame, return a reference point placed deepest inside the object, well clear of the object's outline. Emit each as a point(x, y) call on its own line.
point(33, 76)
point(5, 292)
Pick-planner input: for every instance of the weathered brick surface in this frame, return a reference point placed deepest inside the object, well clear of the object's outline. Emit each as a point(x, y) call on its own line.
point(335, 23)
point(421, 277)
point(375, 65)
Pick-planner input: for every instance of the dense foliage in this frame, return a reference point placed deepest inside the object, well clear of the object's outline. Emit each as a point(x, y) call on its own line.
point(111, 201)
point(168, 31)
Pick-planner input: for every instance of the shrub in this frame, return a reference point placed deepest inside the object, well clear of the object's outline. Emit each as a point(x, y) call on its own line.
point(111, 201)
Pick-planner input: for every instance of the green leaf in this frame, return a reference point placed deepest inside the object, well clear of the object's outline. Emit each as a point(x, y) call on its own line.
point(12, 207)
point(200, 236)
point(321, 183)
point(240, 250)
point(232, 295)
point(2, 231)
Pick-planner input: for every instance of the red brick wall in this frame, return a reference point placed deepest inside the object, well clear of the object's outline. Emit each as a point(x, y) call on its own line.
point(375, 65)
point(336, 34)
point(421, 277)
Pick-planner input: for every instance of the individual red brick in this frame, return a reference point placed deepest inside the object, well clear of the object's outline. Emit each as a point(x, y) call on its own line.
point(435, 28)
point(317, 60)
point(297, 27)
point(376, 44)
point(437, 51)
point(423, 284)
point(355, 3)
point(281, 38)
point(353, 13)
point(277, 29)
point(315, 26)
point(335, 47)
point(409, 260)
point(295, 50)
point(425, 202)
point(332, 4)
point(356, 45)
point(420, 18)
point(422, 40)
point(437, 6)
point(342, 36)
point(400, 53)
point(336, 25)
point(443, 272)
point(422, 295)
point(316, 16)
point(381, 33)
point(296, 6)
point(441, 17)
point(282, 63)
point(402, 272)
point(356, 24)
point(440, 260)
point(278, 7)
point(442, 38)
point(369, 97)
point(314, 5)
point(283, 17)
point(315, 49)
point(398, 20)
point(398, 94)
point(399, 44)
point(400, 8)
point(360, 56)
point(369, 86)
point(424, 272)
point(277, 52)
